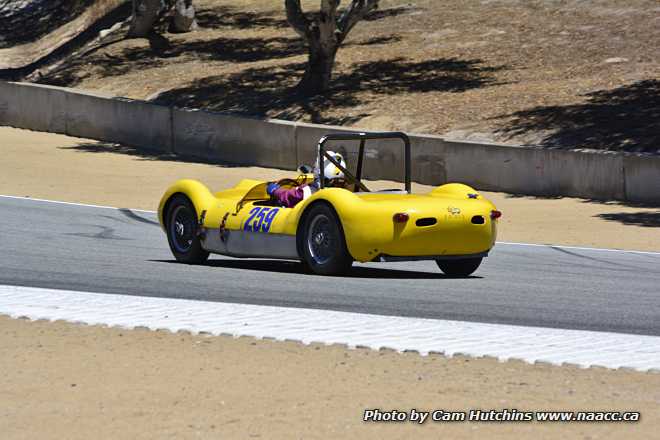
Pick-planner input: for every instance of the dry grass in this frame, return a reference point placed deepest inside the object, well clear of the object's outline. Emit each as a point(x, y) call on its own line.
point(533, 71)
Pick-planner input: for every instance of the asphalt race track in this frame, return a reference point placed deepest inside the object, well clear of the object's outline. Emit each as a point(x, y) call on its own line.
point(64, 246)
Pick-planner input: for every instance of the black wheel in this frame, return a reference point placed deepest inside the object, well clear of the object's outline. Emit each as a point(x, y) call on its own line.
point(182, 224)
point(323, 246)
point(459, 268)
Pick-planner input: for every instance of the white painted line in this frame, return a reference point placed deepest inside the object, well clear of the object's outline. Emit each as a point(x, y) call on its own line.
point(583, 348)
point(499, 242)
point(578, 248)
point(73, 203)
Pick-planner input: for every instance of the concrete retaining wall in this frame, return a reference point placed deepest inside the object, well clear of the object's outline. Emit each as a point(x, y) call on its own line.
point(119, 120)
point(283, 144)
point(236, 140)
point(88, 115)
point(642, 179)
point(535, 171)
point(41, 108)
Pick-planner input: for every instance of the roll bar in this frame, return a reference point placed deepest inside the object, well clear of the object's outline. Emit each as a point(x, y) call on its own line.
point(363, 138)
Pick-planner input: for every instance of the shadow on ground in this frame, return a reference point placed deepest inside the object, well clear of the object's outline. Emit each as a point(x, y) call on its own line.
point(144, 154)
point(622, 119)
point(64, 53)
point(380, 14)
point(162, 51)
point(582, 200)
point(235, 50)
point(527, 196)
point(271, 92)
point(292, 267)
point(138, 218)
point(24, 22)
point(646, 219)
point(231, 17)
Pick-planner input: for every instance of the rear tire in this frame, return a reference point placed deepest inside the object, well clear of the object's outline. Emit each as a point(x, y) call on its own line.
point(459, 268)
point(323, 247)
point(182, 231)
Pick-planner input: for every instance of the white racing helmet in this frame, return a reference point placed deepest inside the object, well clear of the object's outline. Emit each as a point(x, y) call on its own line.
point(330, 170)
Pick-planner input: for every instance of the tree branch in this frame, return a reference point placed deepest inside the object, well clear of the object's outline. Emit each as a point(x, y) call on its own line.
point(327, 23)
point(355, 12)
point(329, 8)
point(296, 17)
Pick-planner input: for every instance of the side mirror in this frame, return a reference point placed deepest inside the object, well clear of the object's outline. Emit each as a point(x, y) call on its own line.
point(305, 169)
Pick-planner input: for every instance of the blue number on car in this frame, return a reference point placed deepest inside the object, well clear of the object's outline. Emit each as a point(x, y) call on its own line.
point(256, 226)
point(248, 222)
point(260, 219)
point(268, 220)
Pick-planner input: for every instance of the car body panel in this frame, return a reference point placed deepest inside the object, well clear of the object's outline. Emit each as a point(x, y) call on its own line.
point(240, 221)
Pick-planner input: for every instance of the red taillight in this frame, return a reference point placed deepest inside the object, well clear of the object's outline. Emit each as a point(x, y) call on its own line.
point(495, 214)
point(400, 217)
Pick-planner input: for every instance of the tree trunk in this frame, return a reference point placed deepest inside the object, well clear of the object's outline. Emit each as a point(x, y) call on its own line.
point(319, 69)
point(323, 35)
point(184, 17)
point(145, 14)
point(323, 39)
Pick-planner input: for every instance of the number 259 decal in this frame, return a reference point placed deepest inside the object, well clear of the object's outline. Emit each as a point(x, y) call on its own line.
point(260, 219)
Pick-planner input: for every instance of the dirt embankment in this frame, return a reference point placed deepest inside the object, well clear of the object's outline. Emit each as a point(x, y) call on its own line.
point(560, 74)
point(33, 30)
point(24, 21)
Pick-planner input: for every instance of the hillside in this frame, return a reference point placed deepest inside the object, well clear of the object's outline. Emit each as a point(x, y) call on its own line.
point(23, 21)
point(35, 32)
point(571, 74)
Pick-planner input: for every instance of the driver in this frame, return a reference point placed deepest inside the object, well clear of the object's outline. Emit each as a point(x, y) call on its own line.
point(289, 197)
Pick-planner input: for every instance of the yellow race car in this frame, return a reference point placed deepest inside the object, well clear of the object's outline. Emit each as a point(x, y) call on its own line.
point(336, 225)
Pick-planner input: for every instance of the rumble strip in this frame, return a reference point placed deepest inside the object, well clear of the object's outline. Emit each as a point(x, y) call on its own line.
point(531, 344)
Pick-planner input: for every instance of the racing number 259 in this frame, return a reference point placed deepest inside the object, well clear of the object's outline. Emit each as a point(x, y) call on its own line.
point(260, 219)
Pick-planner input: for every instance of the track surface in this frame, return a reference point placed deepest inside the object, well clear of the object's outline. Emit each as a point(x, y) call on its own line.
point(121, 251)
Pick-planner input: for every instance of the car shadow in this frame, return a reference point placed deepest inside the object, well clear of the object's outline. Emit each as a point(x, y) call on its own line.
point(294, 267)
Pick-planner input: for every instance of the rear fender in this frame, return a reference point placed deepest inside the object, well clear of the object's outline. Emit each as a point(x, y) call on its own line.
point(352, 212)
point(459, 191)
point(455, 190)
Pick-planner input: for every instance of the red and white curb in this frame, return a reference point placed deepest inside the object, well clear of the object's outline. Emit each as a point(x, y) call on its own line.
point(531, 344)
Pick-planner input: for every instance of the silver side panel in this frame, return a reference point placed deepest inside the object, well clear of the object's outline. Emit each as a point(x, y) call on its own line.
point(251, 244)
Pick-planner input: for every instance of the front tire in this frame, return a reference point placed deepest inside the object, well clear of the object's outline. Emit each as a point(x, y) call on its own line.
point(182, 231)
point(323, 245)
point(459, 268)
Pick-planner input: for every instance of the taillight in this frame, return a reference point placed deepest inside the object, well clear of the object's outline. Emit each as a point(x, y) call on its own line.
point(400, 217)
point(494, 214)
